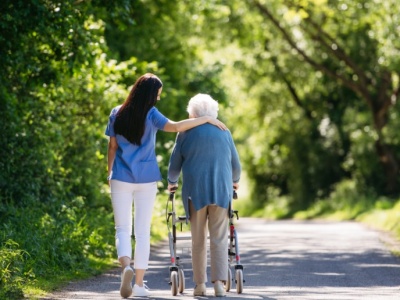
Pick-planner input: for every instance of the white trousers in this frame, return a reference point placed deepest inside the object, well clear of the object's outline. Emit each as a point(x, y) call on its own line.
point(142, 196)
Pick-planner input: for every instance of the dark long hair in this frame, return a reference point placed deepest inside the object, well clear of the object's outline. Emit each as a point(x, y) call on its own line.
point(131, 117)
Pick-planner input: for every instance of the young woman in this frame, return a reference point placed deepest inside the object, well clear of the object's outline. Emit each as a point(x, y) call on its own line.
point(133, 173)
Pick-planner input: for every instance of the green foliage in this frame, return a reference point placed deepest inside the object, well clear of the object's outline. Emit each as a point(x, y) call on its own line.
point(317, 110)
point(13, 271)
point(347, 201)
point(54, 244)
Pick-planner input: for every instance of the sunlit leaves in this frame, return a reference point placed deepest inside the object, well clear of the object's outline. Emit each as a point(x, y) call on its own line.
point(295, 16)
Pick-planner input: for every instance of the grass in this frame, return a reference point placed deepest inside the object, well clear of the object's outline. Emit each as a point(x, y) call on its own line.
point(42, 286)
point(386, 219)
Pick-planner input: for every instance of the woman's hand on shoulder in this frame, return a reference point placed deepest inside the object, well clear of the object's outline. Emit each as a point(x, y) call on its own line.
point(217, 123)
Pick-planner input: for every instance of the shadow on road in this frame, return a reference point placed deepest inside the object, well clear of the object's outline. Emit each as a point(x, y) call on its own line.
point(282, 260)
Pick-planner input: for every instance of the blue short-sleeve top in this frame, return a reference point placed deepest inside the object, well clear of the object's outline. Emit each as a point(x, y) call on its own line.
point(133, 163)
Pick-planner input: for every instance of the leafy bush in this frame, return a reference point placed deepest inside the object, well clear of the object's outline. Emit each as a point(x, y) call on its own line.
point(39, 243)
point(13, 270)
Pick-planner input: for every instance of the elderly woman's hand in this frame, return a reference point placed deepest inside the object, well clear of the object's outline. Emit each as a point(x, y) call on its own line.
point(172, 187)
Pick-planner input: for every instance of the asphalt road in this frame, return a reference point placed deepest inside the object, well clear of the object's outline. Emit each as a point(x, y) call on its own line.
point(282, 260)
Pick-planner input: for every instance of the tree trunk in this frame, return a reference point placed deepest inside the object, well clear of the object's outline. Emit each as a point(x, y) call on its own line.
point(390, 167)
point(380, 108)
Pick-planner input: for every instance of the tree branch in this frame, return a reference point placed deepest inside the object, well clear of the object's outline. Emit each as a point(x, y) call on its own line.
point(292, 90)
point(350, 84)
point(384, 101)
point(341, 56)
point(338, 53)
point(321, 36)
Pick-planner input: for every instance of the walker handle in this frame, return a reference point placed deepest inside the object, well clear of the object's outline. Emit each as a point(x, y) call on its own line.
point(172, 193)
point(235, 196)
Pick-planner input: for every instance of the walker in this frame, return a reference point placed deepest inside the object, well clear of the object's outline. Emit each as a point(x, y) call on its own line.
point(177, 275)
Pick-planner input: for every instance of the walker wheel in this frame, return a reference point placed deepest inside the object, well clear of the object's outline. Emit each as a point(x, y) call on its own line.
point(174, 283)
point(229, 281)
point(239, 281)
point(181, 281)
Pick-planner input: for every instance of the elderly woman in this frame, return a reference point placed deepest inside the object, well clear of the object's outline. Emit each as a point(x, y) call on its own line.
point(211, 169)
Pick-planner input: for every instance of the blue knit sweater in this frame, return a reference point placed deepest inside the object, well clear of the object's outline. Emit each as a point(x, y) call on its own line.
point(210, 164)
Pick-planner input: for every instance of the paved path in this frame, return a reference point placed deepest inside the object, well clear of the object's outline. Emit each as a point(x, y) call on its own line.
point(282, 260)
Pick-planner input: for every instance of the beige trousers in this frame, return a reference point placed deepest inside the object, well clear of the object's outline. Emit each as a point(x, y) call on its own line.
point(217, 219)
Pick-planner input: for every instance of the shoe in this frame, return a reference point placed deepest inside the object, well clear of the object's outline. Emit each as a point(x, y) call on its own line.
point(219, 289)
point(140, 291)
point(126, 282)
point(199, 290)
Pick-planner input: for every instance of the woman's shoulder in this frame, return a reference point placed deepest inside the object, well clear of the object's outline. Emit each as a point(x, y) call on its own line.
point(153, 110)
point(115, 109)
point(155, 114)
point(114, 112)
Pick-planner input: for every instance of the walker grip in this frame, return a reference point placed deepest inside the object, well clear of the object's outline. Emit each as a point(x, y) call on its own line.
point(172, 193)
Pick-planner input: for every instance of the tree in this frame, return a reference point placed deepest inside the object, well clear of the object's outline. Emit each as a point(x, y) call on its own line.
point(360, 52)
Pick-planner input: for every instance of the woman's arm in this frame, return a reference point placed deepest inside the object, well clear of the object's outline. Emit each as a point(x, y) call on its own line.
point(187, 124)
point(112, 150)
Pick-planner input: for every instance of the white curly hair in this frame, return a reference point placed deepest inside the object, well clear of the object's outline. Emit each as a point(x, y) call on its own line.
point(202, 105)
